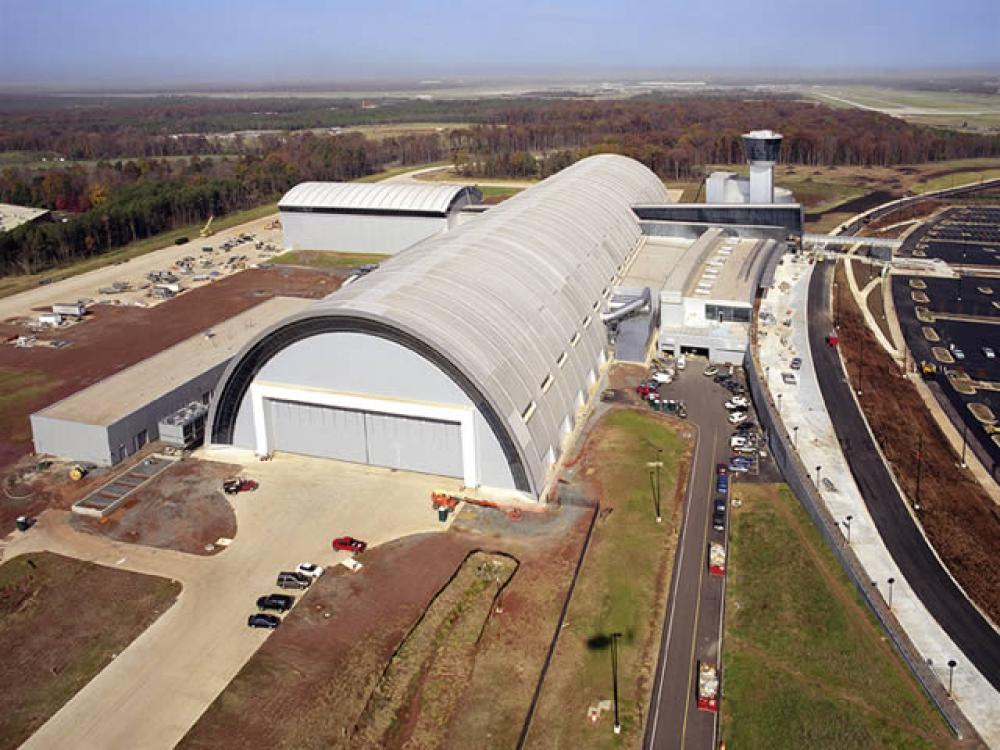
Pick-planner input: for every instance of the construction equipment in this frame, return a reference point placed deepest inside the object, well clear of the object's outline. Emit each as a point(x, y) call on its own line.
point(708, 687)
point(445, 500)
point(206, 231)
point(928, 370)
point(78, 472)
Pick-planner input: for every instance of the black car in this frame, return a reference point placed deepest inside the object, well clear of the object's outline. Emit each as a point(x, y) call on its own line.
point(263, 621)
point(720, 504)
point(276, 602)
point(719, 520)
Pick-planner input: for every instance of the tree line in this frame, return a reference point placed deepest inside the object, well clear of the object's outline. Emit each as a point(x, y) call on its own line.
point(114, 203)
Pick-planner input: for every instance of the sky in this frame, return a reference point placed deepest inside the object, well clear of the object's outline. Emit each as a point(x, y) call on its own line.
point(107, 43)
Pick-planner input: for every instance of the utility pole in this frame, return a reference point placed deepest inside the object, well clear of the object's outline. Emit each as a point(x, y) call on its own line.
point(890, 582)
point(659, 493)
point(861, 366)
point(951, 673)
point(965, 429)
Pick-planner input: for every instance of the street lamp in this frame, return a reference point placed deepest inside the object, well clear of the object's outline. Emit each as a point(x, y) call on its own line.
point(614, 678)
point(890, 581)
point(779, 403)
point(965, 428)
point(795, 433)
point(659, 492)
point(847, 523)
point(951, 673)
point(652, 487)
point(818, 468)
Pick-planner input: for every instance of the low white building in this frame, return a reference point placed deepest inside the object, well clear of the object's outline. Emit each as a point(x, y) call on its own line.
point(354, 217)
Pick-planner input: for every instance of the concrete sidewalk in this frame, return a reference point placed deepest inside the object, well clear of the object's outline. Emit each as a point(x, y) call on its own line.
point(804, 414)
point(158, 687)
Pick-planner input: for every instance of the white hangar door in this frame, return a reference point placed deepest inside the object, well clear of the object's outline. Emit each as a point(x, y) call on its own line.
point(391, 440)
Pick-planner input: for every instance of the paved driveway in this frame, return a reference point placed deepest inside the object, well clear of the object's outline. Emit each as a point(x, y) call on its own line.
point(158, 687)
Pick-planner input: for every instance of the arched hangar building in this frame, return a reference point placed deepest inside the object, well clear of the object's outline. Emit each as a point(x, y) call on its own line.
point(381, 217)
point(468, 355)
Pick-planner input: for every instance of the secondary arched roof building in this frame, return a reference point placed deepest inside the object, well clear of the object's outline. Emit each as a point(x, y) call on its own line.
point(467, 355)
point(380, 217)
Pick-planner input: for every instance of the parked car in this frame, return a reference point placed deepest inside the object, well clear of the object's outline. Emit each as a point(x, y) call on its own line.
point(662, 377)
point(349, 544)
point(711, 371)
point(291, 580)
point(722, 377)
point(737, 417)
point(647, 387)
point(263, 621)
point(310, 569)
point(275, 602)
point(959, 354)
point(790, 378)
point(796, 363)
point(720, 468)
point(739, 468)
point(989, 353)
point(722, 483)
point(738, 402)
point(236, 485)
point(719, 520)
point(681, 362)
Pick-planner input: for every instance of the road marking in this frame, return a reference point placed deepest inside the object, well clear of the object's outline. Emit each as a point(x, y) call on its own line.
point(673, 595)
point(697, 606)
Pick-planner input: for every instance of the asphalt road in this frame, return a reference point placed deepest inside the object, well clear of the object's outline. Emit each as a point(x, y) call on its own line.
point(970, 631)
point(692, 630)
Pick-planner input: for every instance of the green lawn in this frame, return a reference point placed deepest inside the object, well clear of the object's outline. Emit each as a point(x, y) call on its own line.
point(61, 622)
point(804, 662)
point(326, 259)
point(622, 586)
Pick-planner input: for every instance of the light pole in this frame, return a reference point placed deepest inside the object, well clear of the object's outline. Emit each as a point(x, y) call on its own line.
point(652, 487)
point(795, 433)
point(659, 493)
point(890, 581)
point(951, 673)
point(614, 678)
point(836, 310)
point(818, 468)
point(861, 367)
point(920, 461)
point(499, 609)
point(847, 523)
point(779, 403)
point(965, 428)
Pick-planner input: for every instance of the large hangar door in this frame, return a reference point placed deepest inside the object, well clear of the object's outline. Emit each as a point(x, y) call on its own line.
point(392, 440)
point(414, 444)
point(320, 431)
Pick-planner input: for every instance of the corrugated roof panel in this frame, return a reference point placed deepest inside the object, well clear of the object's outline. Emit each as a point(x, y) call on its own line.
point(385, 196)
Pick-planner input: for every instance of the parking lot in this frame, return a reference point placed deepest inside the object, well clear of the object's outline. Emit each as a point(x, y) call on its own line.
point(968, 236)
point(955, 324)
point(157, 687)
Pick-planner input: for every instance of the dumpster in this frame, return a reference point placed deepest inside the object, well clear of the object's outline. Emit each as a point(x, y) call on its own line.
point(442, 514)
point(23, 523)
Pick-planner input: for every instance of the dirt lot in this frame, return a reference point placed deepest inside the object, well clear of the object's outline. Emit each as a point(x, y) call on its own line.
point(113, 338)
point(61, 622)
point(959, 517)
point(183, 508)
point(326, 696)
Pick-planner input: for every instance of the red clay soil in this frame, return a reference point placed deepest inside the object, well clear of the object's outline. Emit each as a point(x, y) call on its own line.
point(960, 519)
point(183, 509)
point(113, 338)
point(310, 681)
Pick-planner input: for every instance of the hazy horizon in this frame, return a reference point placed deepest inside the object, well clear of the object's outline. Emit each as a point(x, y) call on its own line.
point(110, 44)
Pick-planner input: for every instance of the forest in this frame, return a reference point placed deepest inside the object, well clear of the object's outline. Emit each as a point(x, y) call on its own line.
point(161, 163)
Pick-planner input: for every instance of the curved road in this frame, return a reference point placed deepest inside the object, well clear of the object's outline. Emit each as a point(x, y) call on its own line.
point(969, 630)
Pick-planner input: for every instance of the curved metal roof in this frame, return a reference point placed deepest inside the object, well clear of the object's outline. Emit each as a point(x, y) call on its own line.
point(375, 196)
point(504, 297)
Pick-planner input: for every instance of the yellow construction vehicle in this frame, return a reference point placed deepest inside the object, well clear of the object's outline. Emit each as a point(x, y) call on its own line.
point(77, 472)
point(928, 370)
point(206, 231)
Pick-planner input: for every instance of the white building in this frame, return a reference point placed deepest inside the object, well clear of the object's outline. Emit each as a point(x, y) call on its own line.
point(763, 147)
point(380, 217)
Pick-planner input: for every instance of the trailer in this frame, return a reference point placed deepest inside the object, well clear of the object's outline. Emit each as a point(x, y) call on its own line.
point(74, 309)
point(716, 559)
point(708, 687)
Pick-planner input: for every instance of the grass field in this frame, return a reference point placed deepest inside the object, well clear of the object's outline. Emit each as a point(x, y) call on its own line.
point(326, 259)
point(61, 622)
point(804, 663)
point(965, 111)
point(15, 386)
point(622, 586)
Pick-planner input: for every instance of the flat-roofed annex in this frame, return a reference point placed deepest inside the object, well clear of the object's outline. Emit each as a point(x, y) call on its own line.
point(125, 392)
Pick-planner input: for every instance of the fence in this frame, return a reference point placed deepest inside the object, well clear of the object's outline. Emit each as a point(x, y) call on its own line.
point(799, 480)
